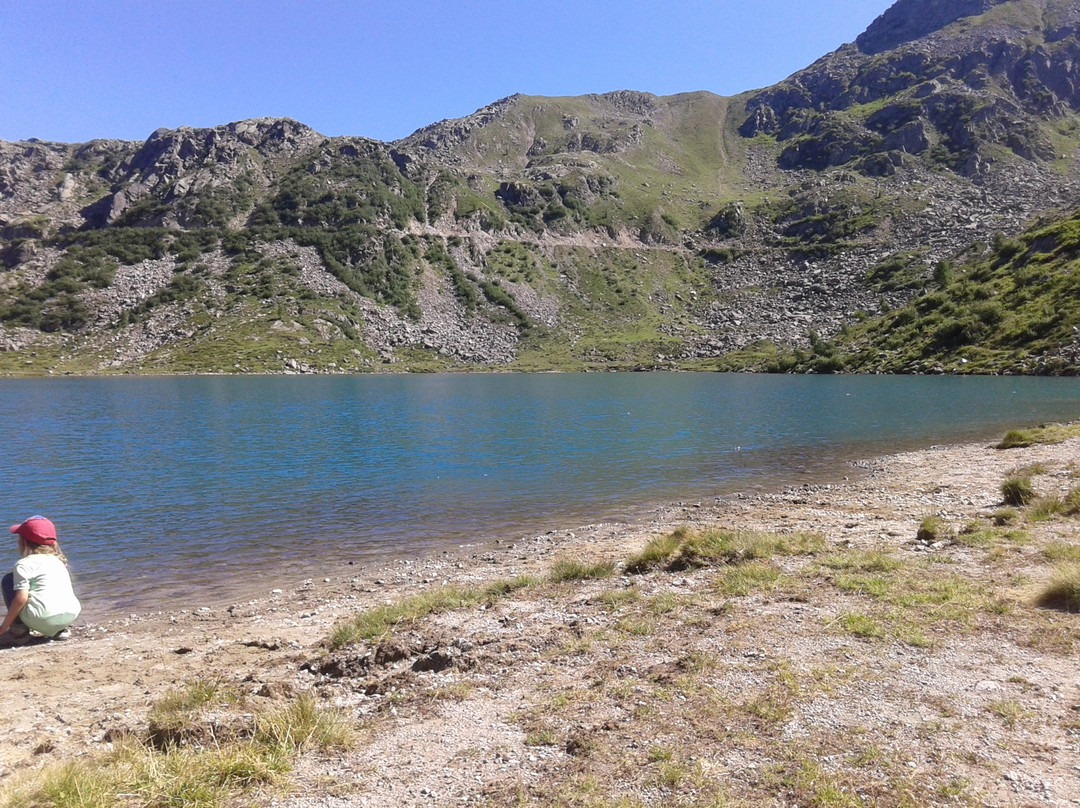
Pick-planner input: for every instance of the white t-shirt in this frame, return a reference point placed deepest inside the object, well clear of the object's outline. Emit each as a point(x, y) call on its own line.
point(52, 605)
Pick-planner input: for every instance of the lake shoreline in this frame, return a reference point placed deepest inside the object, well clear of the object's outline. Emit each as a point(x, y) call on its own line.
point(99, 686)
point(166, 472)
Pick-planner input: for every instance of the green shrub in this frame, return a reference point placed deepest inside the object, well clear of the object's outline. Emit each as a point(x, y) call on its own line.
point(464, 289)
point(503, 299)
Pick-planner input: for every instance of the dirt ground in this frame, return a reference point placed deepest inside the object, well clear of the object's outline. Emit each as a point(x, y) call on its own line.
point(665, 688)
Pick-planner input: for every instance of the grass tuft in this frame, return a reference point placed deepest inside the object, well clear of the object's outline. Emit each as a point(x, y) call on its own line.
point(1018, 490)
point(860, 625)
point(933, 529)
point(1063, 591)
point(1072, 501)
point(1009, 711)
point(863, 561)
point(658, 552)
point(573, 569)
point(383, 619)
point(1045, 508)
point(1057, 551)
point(685, 549)
point(1004, 516)
point(742, 579)
point(303, 725)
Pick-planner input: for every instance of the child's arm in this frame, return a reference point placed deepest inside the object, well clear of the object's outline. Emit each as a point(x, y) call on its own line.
point(17, 603)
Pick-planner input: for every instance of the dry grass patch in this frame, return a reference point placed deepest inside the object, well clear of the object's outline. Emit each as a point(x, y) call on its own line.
point(1010, 712)
point(1058, 551)
point(188, 772)
point(917, 603)
point(1045, 508)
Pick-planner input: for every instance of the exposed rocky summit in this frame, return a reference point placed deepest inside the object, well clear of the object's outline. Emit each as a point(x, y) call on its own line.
point(621, 230)
point(908, 20)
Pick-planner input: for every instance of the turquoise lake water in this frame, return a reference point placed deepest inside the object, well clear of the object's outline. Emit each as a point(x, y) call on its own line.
point(164, 488)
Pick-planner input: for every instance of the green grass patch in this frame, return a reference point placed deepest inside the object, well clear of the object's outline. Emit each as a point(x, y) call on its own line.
point(863, 561)
point(744, 579)
point(573, 569)
point(658, 552)
point(713, 547)
point(1009, 711)
point(382, 620)
point(933, 529)
point(685, 549)
point(860, 625)
point(1046, 507)
point(1045, 434)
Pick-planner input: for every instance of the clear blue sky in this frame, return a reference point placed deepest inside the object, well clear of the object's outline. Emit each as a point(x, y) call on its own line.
point(74, 70)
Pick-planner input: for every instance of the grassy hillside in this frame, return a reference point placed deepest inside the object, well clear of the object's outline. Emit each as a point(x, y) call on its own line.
point(1012, 306)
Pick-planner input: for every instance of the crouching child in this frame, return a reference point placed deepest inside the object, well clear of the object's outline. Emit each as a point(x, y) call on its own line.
point(38, 593)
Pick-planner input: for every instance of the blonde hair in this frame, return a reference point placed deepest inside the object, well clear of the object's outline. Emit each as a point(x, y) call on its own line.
point(30, 548)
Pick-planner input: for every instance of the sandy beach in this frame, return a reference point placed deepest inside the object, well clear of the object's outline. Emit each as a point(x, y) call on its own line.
point(931, 679)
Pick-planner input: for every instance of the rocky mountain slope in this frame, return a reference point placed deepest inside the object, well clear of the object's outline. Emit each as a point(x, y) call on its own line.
point(622, 230)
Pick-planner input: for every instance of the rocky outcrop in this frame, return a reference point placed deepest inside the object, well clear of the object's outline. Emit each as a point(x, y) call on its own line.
point(175, 164)
point(913, 19)
point(986, 85)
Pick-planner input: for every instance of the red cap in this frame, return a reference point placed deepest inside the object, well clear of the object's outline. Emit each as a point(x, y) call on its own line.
point(36, 530)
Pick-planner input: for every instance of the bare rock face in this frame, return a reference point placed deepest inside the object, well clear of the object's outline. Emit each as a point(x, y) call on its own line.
point(172, 164)
point(965, 90)
point(168, 154)
point(912, 19)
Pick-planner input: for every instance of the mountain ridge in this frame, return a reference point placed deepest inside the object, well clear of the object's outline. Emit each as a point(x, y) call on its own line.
point(612, 230)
